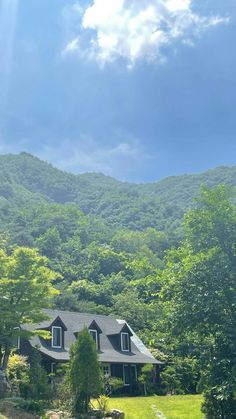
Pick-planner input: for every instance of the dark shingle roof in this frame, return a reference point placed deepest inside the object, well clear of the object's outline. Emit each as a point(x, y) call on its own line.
point(109, 325)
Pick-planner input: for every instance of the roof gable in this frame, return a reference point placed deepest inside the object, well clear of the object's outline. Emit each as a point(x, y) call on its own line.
point(74, 322)
point(58, 322)
point(126, 329)
point(94, 326)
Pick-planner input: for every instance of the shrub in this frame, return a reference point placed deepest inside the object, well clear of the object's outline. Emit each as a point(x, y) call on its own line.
point(31, 405)
point(18, 373)
point(146, 378)
point(37, 387)
point(111, 385)
point(216, 405)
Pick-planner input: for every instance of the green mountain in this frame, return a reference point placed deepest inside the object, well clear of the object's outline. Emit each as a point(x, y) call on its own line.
point(26, 180)
point(107, 239)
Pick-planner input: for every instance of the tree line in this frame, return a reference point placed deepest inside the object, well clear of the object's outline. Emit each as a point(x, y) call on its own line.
point(181, 299)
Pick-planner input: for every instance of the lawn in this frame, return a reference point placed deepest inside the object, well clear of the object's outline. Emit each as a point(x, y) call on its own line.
point(166, 407)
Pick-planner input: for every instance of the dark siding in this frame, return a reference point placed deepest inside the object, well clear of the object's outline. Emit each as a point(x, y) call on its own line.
point(117, 370)
point(25, 348)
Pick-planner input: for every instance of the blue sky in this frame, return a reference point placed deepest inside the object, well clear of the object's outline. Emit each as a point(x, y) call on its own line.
point(138, 90)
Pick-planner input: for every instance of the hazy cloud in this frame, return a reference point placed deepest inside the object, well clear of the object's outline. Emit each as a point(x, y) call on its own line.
point(86, 155)
point(134, 30)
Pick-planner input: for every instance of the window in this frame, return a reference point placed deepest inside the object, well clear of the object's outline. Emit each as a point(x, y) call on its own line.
point(94, 335)
point(106, 370)
point(16, 338)
point(56, 337)
point(124, 341)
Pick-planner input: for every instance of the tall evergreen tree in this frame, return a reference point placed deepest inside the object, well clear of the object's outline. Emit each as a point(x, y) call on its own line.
point(84, 372)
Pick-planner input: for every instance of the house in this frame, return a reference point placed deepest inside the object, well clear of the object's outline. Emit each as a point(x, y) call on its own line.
point(121, 353)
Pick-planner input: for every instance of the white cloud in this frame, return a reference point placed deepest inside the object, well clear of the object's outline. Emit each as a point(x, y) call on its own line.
point(178, 5)
point(85, 155)
point(71, 47)
point(134, 30)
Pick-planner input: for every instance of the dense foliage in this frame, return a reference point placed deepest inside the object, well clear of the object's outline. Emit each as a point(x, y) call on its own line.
point(200, 293)
point(108, 241)
point(25, 288)
point(25, 181)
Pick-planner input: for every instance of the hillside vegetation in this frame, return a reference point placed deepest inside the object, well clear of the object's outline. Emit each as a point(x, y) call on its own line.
point(117, 249)
point(106, 238)
point(25, 181)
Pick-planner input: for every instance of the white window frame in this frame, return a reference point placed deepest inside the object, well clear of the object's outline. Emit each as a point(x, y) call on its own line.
point(96, 341)
point(121, 337)
point(125, 384)
point(108, 366)
point(18, 338)
point(60, 328)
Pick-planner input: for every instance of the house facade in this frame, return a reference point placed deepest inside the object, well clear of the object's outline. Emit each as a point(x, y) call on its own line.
point(121, 353)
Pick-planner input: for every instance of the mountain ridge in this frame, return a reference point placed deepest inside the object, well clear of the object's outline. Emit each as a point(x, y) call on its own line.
point(26, 180)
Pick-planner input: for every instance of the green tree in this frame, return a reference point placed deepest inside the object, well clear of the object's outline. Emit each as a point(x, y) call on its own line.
point(49, 243)
point(25, 288)
point(200, 294)
point(84, 373)
point(38, 386)
point(147, 379)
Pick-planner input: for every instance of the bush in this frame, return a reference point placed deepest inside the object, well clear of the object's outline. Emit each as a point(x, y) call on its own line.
point(31, 406)
point(37, 387)
point(147, 379)
point(111, 385)
point(181, 376)
point(18, 373)
point(217, 406)
point(63, 395)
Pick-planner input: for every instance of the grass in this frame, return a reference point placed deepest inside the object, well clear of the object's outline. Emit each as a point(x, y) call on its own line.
point(162, 407)
point(153, 407)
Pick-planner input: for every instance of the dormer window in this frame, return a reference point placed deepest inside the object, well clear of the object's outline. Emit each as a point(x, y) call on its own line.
point(56, 337)
point(94, 335)
point(95, 332)
point(125, 342)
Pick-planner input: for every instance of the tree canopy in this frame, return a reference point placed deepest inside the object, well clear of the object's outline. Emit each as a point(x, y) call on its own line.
point(26, 286)
point(200, 293)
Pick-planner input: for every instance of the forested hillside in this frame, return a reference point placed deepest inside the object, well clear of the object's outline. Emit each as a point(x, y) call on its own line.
point(106, 238)
point(107, 242)
point(25, 180)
